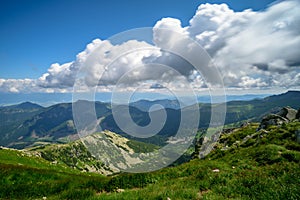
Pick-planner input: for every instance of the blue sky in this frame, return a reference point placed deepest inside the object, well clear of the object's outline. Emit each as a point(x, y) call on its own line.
point(36, 33)
point(46, 44)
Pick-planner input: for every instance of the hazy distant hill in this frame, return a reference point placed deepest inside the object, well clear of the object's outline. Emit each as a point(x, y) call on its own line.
point(12, 117)
point(145, 105)
point(39, 124)
point(19, 112)
point(257, 108)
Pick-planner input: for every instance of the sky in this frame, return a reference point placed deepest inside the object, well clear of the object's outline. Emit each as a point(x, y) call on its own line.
point(35, 34)
point(44, 43)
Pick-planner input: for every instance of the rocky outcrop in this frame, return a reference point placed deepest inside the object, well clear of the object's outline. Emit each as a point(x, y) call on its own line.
point(205, 144)
point(285, 115)
point(288, 113)
point(272, 119)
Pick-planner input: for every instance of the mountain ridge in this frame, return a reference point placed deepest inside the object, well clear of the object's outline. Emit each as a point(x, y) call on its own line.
point(20, 127)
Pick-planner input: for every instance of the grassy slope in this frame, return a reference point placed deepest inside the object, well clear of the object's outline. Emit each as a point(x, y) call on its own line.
point(262, 168)
point(25, 176)
point(265, 166)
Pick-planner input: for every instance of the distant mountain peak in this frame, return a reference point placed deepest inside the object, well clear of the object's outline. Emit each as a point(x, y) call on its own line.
point(289, 93)
point(292, 92)
point(27, 105)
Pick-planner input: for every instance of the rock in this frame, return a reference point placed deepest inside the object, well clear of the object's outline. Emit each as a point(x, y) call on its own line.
point(54, 162)
point(227, 130)
point(216, 170)
point(245, 139)
point(198, 147)
point(285, 115)
point(245, 124)
point(288, 113)
point(272, 119)
point(119, 190)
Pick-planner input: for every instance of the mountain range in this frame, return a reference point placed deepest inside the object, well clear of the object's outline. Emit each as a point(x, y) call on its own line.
point(28, 124)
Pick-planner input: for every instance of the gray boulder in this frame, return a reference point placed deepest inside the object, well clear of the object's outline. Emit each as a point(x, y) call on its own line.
point(272, 119)
point(285, 115)
point(288, 113)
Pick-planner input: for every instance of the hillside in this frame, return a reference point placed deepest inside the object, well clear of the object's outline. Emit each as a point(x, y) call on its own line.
point(247, 162)
point(25, 176)
point(39, 126)
point(77, 156)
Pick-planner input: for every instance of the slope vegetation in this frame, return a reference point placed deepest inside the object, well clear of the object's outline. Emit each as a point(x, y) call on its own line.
point(247, 162)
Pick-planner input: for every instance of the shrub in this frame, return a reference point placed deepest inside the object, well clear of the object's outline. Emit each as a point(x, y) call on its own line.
point(291, 156)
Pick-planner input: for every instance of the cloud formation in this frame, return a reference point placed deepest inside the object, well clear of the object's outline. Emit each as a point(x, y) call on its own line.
point(253, 50)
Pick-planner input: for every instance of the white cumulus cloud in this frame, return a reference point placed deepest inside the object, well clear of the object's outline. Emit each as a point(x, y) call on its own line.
point(252, 49)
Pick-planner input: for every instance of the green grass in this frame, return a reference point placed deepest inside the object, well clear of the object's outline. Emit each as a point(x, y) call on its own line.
point(238, 134)
point(20, 182)
point(265, 167)
point(141, 147)
point(276, 181)
point(19, 158)
point(26, 176)
point(268, 169)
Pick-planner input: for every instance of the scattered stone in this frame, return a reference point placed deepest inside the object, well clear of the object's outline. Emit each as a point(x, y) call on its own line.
point(225, 148)
point(245, 124)
point(119, 190)
point(227, 130)
point(264, 132)
point(245, 139)
point(233, 167)
point(44, 198)
point(54, 162)
point(216, 170)
point(168, 198)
